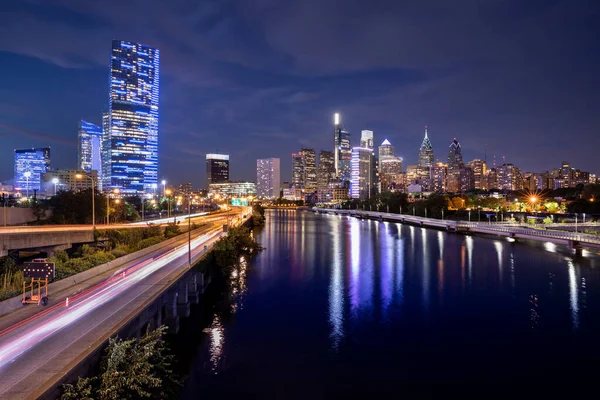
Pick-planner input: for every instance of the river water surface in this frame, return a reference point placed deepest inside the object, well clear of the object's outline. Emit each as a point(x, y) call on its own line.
point(335, 307)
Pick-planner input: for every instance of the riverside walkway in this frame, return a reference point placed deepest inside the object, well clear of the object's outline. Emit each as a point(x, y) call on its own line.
point(575, 241)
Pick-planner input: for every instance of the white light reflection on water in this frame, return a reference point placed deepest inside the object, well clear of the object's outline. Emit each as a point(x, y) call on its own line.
point(469, 243)
point(573, 295)
point(387, 265)
point(354, 265)
point(499, 248)
point(217, 339)
point(549, 246)
point(426, 267)
point(336, 294)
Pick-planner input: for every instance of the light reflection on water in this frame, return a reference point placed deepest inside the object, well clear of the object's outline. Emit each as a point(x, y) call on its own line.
point(340, 301)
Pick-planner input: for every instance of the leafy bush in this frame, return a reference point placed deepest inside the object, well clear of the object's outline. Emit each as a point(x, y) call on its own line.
point(151, 241)
point(78, 264)
point(120, 251)
point(172, 230)
point(548, 220)
point(100, 257)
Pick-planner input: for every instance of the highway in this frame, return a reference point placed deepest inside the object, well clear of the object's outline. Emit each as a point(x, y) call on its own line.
point(37, 349)
point(60, 228)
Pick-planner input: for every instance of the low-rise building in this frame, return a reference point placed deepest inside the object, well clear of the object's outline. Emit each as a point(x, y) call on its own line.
point(68, 179)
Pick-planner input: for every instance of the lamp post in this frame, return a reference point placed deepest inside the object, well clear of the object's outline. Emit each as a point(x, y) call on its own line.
point(167, 195)
point(164, 183)
point(190, 231)
point(55, 181)
point(442, 214)
point(425, 212)
point(533, 199)
point(115, 191)
point(575, 223)
point(583, 218)
point(27, 174)
point(80, 176)
point(469, 215)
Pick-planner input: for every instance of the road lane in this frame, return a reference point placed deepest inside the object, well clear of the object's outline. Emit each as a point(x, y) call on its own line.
point(34, 353)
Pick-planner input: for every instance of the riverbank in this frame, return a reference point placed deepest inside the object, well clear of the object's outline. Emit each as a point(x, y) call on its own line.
point(217, 269)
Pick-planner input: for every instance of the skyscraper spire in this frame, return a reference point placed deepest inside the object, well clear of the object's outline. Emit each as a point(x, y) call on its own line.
point(426, 152)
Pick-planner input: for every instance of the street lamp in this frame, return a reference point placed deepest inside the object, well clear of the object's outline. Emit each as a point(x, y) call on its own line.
point(27, 174)
point(80, 176)
point(55, 181)
point(533, 199)
point(167, 194)
point(117, 201)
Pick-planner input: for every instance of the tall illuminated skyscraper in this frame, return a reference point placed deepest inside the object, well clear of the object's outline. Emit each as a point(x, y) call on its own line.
point(29, 165)
point(426, 152)
point(130, 145)
point(366, 139)
point(455, 159)
point(364, 176)
point(89, 139)
point(341, 149)
point(326, 169)
point(268, 178)
point(217, 168)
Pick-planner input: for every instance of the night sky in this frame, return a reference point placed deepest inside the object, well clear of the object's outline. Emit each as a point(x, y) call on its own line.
point(261, 78)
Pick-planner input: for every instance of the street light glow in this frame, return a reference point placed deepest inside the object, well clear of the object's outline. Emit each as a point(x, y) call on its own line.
point(55, 181)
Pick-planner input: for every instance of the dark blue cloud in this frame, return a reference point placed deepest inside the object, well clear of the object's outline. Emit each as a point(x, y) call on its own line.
point(262, 78)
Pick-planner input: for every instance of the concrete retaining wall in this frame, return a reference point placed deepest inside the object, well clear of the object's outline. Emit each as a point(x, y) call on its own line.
point(17, 216)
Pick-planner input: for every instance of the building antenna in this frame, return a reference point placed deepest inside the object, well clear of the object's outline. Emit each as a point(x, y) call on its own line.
point(485, 153)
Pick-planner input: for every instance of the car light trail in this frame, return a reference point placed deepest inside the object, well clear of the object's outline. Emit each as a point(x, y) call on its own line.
point(43, 324)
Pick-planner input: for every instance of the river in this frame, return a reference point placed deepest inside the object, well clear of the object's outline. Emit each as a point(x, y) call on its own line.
point(335, 307)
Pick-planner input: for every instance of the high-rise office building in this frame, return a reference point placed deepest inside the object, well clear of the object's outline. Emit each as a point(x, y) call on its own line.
point(89, 146)
point(479, 168)
point(439, 177)
point(326, 169)
point(29, 165)
point(455, 160)
point(386, 150)
point(507, 177)
point(297, 170)
point(426, 152)
point(268, 178)
point(390, 167)
point(217, 168)
point(366, 139)
point(130, 143)
point(309, 159)
point(364, 177)
point(342, 150)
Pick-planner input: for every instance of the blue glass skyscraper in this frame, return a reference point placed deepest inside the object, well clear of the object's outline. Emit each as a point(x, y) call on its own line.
point(29, 165)
point(130, 139)
point(89, 139)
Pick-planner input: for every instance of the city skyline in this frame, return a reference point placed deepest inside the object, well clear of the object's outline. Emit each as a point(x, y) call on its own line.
point(508, 101)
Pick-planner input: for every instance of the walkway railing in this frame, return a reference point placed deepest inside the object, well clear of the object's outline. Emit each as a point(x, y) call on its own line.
point(483, 227)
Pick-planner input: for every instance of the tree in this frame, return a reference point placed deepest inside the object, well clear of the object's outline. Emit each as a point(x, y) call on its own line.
point(131, 369)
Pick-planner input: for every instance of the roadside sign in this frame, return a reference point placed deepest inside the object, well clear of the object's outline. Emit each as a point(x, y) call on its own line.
point(41, 270)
